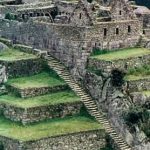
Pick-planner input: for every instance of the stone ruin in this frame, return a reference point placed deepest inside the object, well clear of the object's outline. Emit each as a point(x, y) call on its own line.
point(70, 30)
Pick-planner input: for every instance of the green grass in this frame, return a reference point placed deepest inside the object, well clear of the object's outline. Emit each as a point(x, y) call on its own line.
point(43, 79)
point(47, 128)
point(134, 77)
point(122, 54)
point(49, 99)
point(13, 55)
point(147, 93)
point(138, 73)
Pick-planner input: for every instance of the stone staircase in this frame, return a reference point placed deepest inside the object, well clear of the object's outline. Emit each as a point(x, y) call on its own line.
point(88, 102)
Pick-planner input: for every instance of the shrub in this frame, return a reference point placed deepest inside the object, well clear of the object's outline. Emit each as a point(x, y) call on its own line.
point(1, 146)
point(117, 77)
point(97, 51)
point(10, 16)
point(138, 116)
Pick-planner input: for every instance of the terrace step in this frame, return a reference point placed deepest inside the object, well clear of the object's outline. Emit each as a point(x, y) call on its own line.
point(19, 64)
point(86, 97)
point(140, 98)
point(40, 84)
point(56, 105)
point(85, 131)
point(122, 59)
point(138, 83)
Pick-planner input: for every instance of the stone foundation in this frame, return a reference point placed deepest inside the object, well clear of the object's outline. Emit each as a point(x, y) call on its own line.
point(138, 85)
point(39, 113)
point(89, 140)
point(121, 64)
point(32, 92)
point(21, 68)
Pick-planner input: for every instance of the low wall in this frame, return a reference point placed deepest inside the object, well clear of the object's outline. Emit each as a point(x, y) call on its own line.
point(138, 85)
point(108, 66)
point(21, 68)
point(89, 140)
point(32, 92)
point(39, 113)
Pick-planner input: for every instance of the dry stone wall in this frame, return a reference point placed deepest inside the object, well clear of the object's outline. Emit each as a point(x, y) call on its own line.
point(70, 44)
point(40, 113)
point(89, 140)
point(32, 92)
point(25, 67)
point(121, 64)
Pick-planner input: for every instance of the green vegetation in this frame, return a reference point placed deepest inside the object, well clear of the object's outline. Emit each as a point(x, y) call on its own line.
point(98, 72)
point(138, 73)
point(97, 51)
point(117, 78)
point(147, 93)
point(49, 99)
point(10, 16)
point(138, 116)
point(48, 128)
point(122, 54)
point(14, 54)
point(43, 79)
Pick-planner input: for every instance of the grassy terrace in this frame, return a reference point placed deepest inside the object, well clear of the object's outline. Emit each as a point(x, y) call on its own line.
point(138, 73)
point(147, 93)
point(49, 99)
point(122, 54)
point(13, 55)
point(43, 79)
point(47, 128)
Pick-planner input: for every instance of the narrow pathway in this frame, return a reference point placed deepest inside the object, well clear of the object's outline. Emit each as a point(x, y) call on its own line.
point(87, 100)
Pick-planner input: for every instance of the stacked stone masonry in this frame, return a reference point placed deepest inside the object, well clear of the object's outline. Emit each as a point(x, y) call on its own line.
point(90, 140)
point(40, 113)
point(37, 91)
point(21, 68)
point(122, 64)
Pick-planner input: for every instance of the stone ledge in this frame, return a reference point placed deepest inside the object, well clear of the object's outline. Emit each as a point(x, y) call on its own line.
point(138, 85)
point(121, 64)
point(40, 113)
point(21, 68)
point(89, 140)
point(37, 91)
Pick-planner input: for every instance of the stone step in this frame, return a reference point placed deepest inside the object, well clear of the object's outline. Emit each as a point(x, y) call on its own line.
point(107, 62)
point(85, 131)
point(92, 110)
point(36, 85)
point(39, 108)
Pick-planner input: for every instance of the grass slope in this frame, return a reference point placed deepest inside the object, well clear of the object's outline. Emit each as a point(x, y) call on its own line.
point(122, 54)
point(43, 79)
point(47, 128)
point(138, 73)
point(49, 99)
point(13, 55)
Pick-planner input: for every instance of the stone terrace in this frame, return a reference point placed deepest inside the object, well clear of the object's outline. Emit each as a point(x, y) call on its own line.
point(138, 84)
point(121, 59)
point(40, 111)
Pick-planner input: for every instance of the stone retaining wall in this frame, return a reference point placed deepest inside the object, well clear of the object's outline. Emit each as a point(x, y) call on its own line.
point(21, 68)
point(40, 113)
point(122, 64)
point(138, 85)
point(32, 92)
point(89, 140)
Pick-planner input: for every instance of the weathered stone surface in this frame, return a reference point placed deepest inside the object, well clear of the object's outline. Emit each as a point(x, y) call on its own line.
point(3, 47)
point(35, 91)
point(21, 68)
point(89, 140)
point(40, 113)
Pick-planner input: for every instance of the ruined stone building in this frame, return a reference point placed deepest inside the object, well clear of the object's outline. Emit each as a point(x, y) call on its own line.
point(71, 37)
